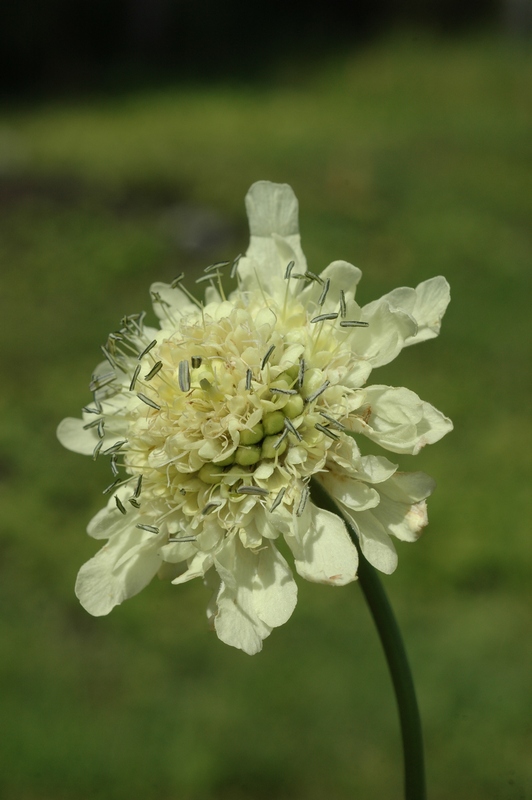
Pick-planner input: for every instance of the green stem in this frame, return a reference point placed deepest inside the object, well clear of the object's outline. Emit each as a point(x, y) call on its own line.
point(394, 649)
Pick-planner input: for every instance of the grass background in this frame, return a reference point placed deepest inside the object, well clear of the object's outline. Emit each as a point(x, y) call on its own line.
point(410, 158)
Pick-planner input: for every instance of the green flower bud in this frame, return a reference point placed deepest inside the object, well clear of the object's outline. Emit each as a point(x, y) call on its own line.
point(246, 456)
point(210, 473)
point(294, 406)
point(268, 449)
point(273, 423)
point(252, 436)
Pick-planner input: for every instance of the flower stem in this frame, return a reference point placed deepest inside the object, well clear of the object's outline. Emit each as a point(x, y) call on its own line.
point(394, 649)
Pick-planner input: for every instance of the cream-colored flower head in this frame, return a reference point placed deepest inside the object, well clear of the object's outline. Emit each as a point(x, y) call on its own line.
point(217, 422)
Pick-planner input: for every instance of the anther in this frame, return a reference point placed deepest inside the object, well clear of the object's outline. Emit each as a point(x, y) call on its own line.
point(278, 500)
point(178, 539)
point(175, 283)
point(114, 468)
point(101, 380)
point(280, 440)
point(149, 528)
point(156, 298)
point(322, 317)
point(343, 304)
point(120, 505)
point(96, 451)
point(317, 393)
point(92, 424)
point(218, 265)
point(147, 349)
point(249, 375)
point(196, 362)
point(89, 410)
point(290, 427)
point(353, 323)
point(208, 277)
point(114, 448)
point(326, 431)
point(184, 376)
point(289, 267)
point(323, 295)
point(234, 268)
point(134, 503)
point(277, 390)
point(134, 378)
point(266, 357)
point(209, 508)
point(302, 501)
point(101, 428)
point(138, 487)
point(153, 371)
point(333, 421)
point(148, 401)
point(252, 490)
point(301, 373)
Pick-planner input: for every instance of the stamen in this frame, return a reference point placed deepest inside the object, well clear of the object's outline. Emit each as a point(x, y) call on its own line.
point(175, 283)
point(288, 271)
point(184, 376)
point(153, 371)
point(196, 362)
point(101, 380)
point(280, 440)
point(290, 427)
point(218, 265)
point(148, 401)
point(353, 323)
point(149, 528)
point(249, 375)
point(96, 451)
point(208, 278)
point(209, 508)
point(114, 468)
point(147, 349)
point(134, 378)
point(92, 424)
point(252, 490)
point(303, 501)
point(278, 499)
point(138, 487)
point(156, 298)
point(317, 393)
point(322, 317)
point(114, 448)
point(101, 428)
point(266, 357)
point(134, 503)
point(343, 304)
point(301, 373)
point(323, 295)
point(91, 410)
point(234, 268)
point(178, 539)
point(120, 505)
point(326, 431)
point(334, 421)
point(277, 390)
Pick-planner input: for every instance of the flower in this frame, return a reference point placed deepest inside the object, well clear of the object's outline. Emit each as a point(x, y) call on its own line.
point(216, 423)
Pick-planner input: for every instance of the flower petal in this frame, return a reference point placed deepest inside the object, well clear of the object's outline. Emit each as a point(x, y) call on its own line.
point(272, 210)
point(385, 336)
point(71, 434)
point(399, 420)
point(375, 543)
point(121, 569)
point(324, 553)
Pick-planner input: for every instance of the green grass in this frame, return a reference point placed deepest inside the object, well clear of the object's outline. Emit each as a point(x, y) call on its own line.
point(411, 159)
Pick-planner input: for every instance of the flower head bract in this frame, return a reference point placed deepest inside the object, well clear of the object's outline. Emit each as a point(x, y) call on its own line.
point(217, 422)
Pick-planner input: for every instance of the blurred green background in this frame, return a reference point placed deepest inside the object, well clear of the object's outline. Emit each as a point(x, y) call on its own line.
point(411, 158)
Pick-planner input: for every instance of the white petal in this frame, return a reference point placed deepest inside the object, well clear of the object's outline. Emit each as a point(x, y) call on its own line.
point(72, 436)
point(118, 571)
point(343, 277)
point(352, 493)
point(408, 487)
point(325, 552)
point(385, 336)
point(399, 420)
point(375, 543)
point(406, 522)
point(426, 303)
point(272, 210)
point(274, 589)
point(109, 520)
